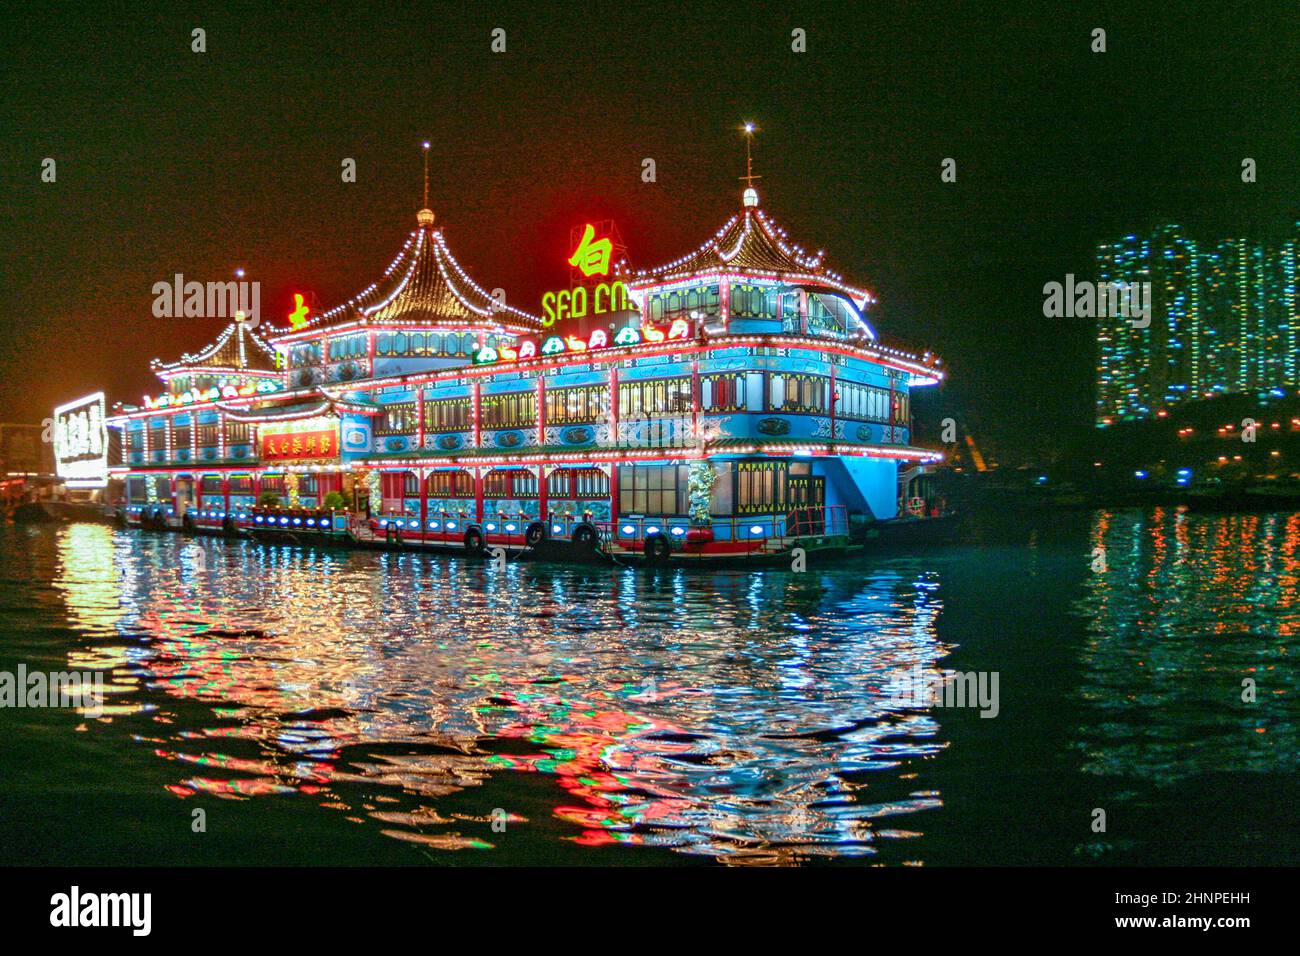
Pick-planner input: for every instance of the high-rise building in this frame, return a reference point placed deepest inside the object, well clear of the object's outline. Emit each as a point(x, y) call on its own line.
point(1223, 320)
point(1123, 361)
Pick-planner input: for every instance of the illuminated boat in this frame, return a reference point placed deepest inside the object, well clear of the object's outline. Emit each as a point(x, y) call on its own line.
point(733, 403)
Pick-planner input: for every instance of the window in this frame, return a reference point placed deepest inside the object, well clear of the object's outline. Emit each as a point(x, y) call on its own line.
point(451, 484)
point(137, 439)
point(181, 436)
point(273, 484)
point(207, 435)
point(799, 393)
point(665, 396)
point(307, 485)
point(396, 419)
point(900, 410)
point(585, 405)
point(347, 347)
point(239, 433)
point(753, 301)
point(722, 393)
point(240, 484)
point(863, 402)
point(761, 487)
point(210, 485)
point(447, 415)
point(513, 410)
point(680, 304)
point(650, 489)
point(524, 484)
point(577, 483)
point(496, 484)
point(510, 483)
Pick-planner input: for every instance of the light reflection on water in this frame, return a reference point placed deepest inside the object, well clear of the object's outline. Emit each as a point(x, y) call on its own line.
point(731, 714)
point(625, 715)
point(1187, 609)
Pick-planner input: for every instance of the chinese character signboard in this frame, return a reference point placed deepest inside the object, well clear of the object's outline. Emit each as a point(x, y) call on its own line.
point(81, 442)
point(299, 445)
point(593, 256)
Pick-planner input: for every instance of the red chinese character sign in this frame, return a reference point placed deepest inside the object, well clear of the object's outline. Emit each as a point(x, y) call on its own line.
point(299, 445)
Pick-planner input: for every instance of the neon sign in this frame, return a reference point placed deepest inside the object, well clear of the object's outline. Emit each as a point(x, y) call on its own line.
point(569, 344)
point(573, 303)
point(223, 390)
point(81, 443)
point(592, 257)
point(298, 317)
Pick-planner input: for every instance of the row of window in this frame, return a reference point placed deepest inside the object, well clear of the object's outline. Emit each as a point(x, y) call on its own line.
point(767, 487)
point(513, 483)
point(652, 489)
point(680, 303)
point(349, 347)
point(460, 344)
point(584, 405)
point(825, 313)
point(236, 433)
point(589, 404)
point(453, 344)
point(760, 487)
point(137, 485)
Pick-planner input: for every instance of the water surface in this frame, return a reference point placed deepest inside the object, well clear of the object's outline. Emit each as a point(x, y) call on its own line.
point(329, 706)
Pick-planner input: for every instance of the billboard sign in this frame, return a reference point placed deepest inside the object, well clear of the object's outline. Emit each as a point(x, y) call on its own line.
point(81, 442)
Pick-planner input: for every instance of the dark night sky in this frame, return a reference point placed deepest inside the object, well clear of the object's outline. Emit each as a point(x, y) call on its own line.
point(170, 161)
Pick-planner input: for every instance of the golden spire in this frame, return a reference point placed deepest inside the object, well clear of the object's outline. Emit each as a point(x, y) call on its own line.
point(425, 216)
point(750, 196)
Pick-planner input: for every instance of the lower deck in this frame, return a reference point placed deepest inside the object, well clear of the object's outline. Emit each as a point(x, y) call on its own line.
point(770, 538)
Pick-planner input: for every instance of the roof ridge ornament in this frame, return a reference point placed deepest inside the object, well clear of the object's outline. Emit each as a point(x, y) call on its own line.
point(750, 196)
point(425, 216)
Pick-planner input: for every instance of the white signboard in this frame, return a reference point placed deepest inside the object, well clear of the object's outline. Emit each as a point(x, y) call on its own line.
point(81, 442)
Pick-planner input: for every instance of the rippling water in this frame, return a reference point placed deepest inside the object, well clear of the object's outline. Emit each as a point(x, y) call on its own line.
point(328, 706)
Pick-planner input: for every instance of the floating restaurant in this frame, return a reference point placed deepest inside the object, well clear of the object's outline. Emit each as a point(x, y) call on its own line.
point(732, 403)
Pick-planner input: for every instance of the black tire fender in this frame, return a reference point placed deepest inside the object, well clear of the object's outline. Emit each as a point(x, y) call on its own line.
point(585, 537)
point(657, 549)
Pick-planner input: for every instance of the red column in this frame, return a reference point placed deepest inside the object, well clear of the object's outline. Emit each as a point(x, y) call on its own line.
point(478, 486)
point(424, 493)
point(543, 501)
point(613, 499)
point(695, 398)
point(477, 404)
point(225, 491)
point(613, 467)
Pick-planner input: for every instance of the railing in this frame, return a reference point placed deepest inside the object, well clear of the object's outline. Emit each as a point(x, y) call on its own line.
point(817, 521)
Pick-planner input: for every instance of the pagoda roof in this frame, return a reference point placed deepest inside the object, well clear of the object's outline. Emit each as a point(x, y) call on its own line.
point(424, 285)
point(237, 349)
point(751, 244)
